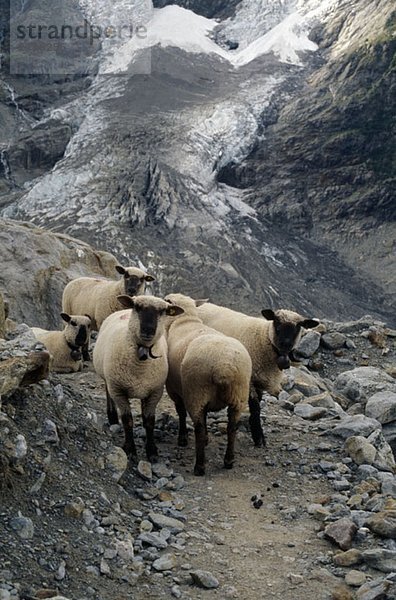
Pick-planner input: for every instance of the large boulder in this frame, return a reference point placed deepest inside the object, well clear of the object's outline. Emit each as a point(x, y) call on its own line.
point(36, 266)
point(359, 384)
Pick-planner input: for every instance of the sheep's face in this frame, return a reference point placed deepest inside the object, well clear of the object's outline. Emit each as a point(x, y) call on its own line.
point(286, 331)
point(134, 280)
point(147, 320)
point(78, 329)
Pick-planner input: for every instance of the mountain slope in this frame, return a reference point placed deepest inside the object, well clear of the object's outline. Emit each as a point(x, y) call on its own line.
point(236, 169)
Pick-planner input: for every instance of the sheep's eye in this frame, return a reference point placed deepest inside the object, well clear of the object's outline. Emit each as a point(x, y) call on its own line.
point(73, 323)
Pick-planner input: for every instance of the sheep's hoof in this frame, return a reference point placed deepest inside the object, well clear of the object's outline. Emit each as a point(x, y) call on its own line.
point(199, 471)
point(152, 456)
point(113, 419)
point(228, 464)
point(130, 452)
point(182, 441)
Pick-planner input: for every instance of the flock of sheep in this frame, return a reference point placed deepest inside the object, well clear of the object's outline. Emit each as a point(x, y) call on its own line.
point(209, 357)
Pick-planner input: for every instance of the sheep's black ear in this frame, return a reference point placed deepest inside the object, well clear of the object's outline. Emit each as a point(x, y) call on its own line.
point(66, 317)
point(174, 311)
point(309, 323)
point(268, 314)
point(201, 301)
point(149, 278)
point(120, 270)
point(126, 301)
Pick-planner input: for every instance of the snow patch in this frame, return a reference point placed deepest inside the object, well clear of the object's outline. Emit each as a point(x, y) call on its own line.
point(178, 27)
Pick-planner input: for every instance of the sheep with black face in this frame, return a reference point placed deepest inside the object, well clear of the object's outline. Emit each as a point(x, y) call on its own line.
point(130, 354)
point(270, 343)
point(98, 297)
point(65, 347)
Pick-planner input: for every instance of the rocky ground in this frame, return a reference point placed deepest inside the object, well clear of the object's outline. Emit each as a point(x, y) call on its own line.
point(313, 515)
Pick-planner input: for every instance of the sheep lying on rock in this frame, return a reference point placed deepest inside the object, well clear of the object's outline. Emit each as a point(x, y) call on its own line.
point(270, 344)
point(208, 371)
point(65, 347)
point(98, 297)
point(130, 354)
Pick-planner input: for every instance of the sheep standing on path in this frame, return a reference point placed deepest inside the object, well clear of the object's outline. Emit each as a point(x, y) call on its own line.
point(98, 297)
point(269, 343)
point(208, 371)
point(65, 347)
point(130, 354)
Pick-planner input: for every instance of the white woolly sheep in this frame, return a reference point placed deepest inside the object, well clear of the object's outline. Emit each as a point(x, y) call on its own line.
point(98, 297)
point(65, 347)
point(130, 354)
point(208, 371)
point(270, 344)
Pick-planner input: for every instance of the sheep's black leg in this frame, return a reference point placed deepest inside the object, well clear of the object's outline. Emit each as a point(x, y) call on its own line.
point(232, 427)
point(254, 419)
point(148, 413)
point(182, 414)
point(151, 448)
point(200, 438)
point(85, 352)
point(112, 414)
point(206, 427)
point(129, 444)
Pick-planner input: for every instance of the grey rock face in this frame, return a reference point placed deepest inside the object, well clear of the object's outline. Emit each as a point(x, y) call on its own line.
point(362, 382)
point(309, 344)
point(381, 559)
point(355, 425)
point(382, 406)
point(49, 261)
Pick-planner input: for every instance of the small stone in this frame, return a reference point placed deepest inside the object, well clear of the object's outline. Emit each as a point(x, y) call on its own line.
point(384, 459)
point(104, 567)
point(23, 526)
point(161, 521)
point(388, 487)
point(360, 450)
point(50, 432)
point(295, 579)
point(74, 509)
point(318, 511)
point(204, 579)
point(161, 470)
point(145, 471)
point(176, 591)
point(308, 344)
point(355, 578)
point(61, 572)
point(374, 590)
point(333, 340)
point(383, 524)
point(20, 450)
point(153, 539)
point(349, 558)
point(341, 485)
point(116, 462)
point(165, 563)
point(341, 532)
point(306, 411)
point(125, 550)
point(380, 559)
